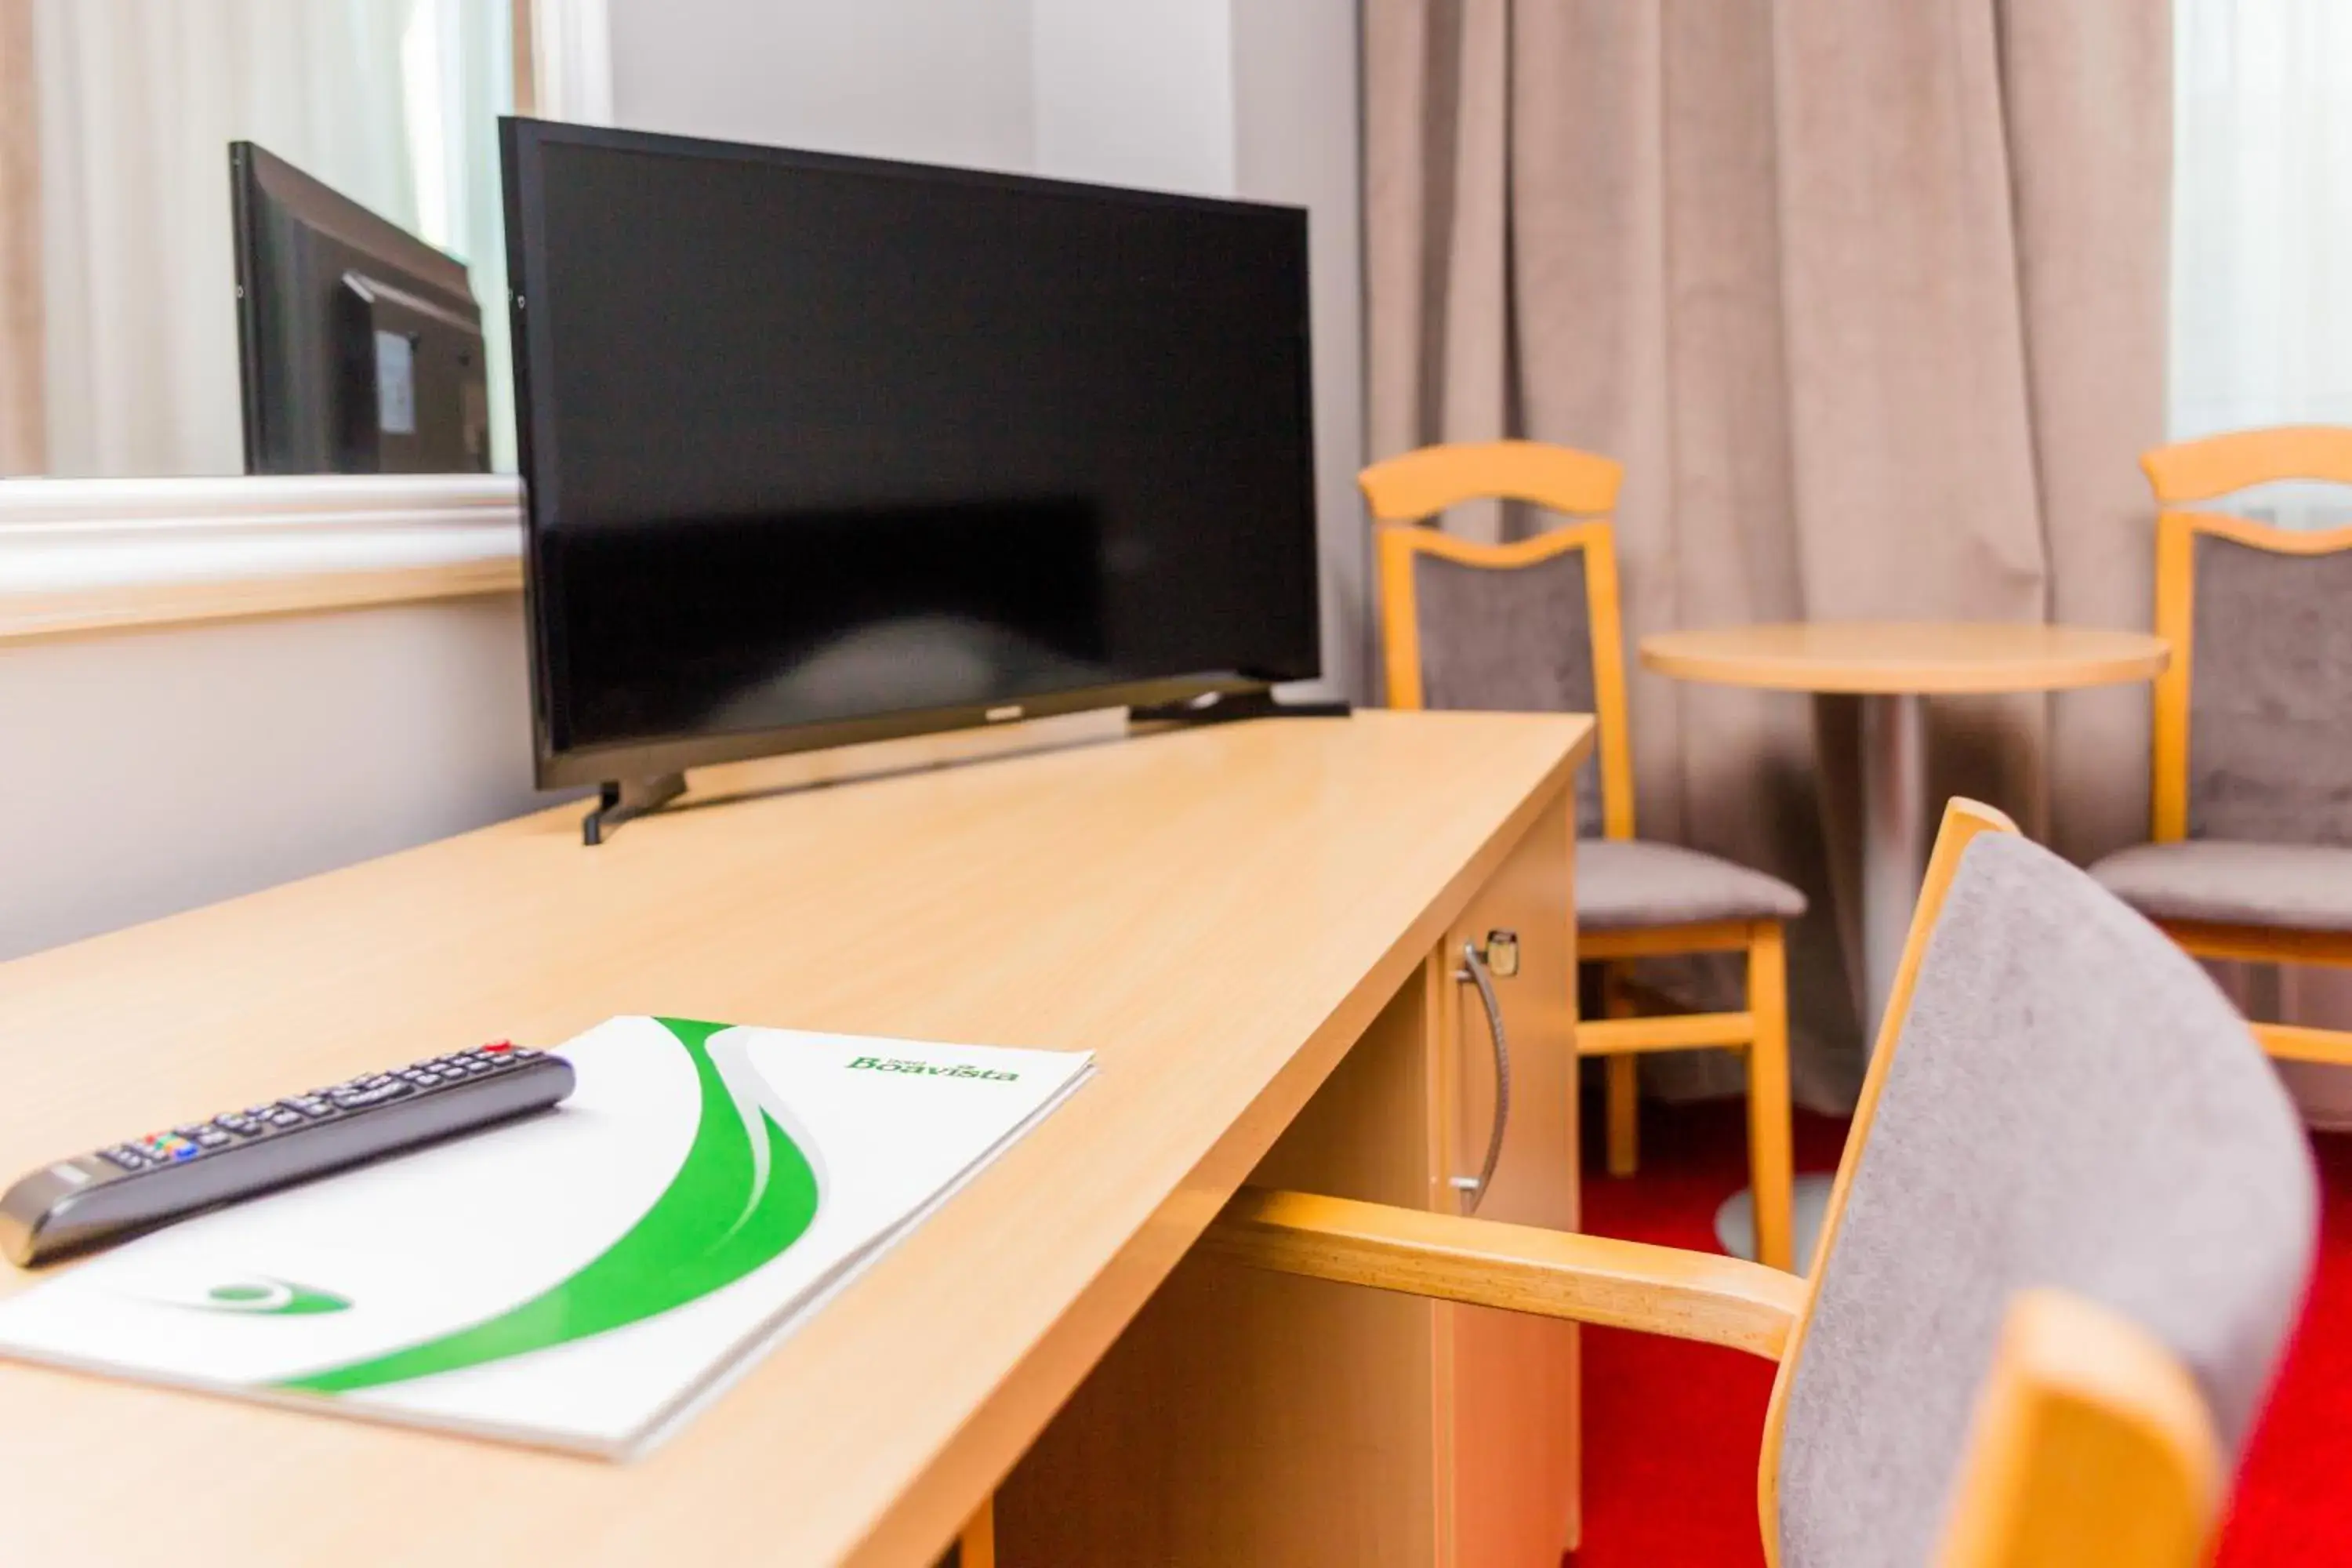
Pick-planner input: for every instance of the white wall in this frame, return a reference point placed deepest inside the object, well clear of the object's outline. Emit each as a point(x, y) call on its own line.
point(149, 773)
point(936, 80)
point(1296, 110)
point(152, 772)
point(1134, 92)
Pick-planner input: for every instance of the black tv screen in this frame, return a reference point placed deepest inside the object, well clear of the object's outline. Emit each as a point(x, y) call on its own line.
point(823, 448)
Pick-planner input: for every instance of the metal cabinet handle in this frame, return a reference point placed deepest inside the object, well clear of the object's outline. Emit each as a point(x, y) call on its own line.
point(1474, 969)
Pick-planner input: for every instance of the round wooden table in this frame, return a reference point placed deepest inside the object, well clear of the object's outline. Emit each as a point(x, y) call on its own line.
point(1891, 665)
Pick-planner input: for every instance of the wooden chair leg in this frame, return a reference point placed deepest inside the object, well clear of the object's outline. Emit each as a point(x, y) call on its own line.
point(1625, 1078)
point(1770, 1157)
point(976, 1546)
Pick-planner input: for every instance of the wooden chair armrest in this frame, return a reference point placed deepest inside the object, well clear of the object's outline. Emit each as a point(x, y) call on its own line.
point(1521, 1268)
point(2091, 1442)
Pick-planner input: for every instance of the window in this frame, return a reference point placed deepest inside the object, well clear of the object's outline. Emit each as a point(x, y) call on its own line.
point(2262, 227)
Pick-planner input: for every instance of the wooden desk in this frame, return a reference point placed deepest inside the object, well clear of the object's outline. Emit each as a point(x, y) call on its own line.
point(1221, 914)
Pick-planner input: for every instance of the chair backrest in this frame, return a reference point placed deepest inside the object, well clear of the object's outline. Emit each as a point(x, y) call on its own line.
point(1532, 625)
point(2060, 1100)
point(2251, 740)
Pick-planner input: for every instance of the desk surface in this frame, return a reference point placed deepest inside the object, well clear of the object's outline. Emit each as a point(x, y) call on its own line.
point(1897, 656)
point(1217, 913)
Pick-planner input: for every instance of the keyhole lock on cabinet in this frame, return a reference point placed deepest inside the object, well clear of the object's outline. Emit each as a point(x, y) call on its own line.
point(1502, 954)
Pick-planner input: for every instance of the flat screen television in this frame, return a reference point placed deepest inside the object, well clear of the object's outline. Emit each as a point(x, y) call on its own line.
point(359, 345)
point(821, 450)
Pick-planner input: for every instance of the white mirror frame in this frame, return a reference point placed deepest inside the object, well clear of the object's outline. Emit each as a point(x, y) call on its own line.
point(85, 556)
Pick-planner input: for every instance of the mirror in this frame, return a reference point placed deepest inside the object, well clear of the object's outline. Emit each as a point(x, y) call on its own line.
point(126, 346)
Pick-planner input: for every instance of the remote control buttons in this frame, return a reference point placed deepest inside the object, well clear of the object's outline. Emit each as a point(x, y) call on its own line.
point(376, 1094)
point(538, 1083)
point(231, 1127)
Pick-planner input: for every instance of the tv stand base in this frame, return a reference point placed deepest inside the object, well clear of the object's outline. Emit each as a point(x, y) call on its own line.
point(619, 800)
point(1224, 706)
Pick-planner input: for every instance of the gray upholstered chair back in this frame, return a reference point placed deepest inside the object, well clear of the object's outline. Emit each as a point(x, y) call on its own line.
point(1510, 639)
point(2270, 695)
point(2072, 1103)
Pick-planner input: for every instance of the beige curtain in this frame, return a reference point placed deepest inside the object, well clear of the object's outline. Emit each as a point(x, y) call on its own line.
point(1870, 301)
point(23, 438)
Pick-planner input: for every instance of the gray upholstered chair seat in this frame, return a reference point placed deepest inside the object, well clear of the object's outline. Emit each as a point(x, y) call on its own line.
point(1633, 884)
point(2303, 886)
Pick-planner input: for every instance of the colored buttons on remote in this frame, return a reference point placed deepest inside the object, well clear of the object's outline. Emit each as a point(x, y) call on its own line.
point(161, 1149)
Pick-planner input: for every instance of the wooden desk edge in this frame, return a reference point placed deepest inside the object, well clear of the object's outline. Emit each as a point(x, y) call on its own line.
point(964, 1472)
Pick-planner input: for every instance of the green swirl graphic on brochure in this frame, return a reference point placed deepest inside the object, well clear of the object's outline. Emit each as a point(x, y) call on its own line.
point(745, 1192)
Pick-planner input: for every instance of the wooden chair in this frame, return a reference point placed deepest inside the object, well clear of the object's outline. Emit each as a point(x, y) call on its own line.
point(2065, 1247)
point(2251, 764)
point(1535, 625)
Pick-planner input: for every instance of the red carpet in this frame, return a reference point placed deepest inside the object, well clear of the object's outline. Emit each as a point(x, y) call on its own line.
point(1671, 1430)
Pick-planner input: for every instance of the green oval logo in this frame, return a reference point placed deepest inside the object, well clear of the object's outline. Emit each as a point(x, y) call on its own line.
point(271, 1298)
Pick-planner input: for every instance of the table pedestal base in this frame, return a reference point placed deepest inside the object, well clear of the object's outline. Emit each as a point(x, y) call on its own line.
point(1894, 859)
point(1894, 840)
point(1735, 1222)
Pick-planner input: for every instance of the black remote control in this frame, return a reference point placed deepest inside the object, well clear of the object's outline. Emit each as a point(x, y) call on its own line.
point(99, 1199)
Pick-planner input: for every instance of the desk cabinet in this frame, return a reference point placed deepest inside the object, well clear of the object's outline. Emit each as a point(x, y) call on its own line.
point(1250, 1418)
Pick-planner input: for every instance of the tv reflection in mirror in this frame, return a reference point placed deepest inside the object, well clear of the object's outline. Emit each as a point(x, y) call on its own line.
point(359, 345)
